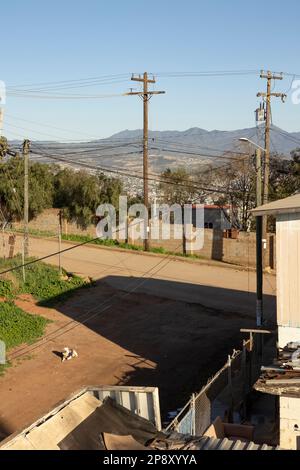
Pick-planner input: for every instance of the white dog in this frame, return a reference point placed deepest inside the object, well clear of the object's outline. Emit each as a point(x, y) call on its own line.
point(68, 354)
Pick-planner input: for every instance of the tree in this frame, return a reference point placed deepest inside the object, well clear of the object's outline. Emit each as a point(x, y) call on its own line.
point(237, 183)
point(3, 147)
point(12, 189)
point(284, 175)
point(110, 189)
point(79, 193)
point(177, 186)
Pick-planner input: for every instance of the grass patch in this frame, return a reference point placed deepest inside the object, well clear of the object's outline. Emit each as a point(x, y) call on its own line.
point(18, 327)
point(98, 241)
point(112, 243)
point(47, 286)
point(6, 289)
point(43, 281)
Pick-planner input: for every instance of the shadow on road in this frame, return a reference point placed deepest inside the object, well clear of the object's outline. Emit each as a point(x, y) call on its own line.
point(178, 334)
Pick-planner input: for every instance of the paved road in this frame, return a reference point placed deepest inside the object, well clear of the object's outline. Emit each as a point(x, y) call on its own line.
point(213, 286)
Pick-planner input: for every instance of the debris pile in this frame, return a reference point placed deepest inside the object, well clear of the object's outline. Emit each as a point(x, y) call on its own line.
point(283, 377)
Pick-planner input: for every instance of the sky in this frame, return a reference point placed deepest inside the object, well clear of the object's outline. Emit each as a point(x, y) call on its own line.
point(54, 41)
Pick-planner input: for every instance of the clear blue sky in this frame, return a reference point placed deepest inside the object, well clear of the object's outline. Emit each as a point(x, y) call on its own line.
point(62, 40)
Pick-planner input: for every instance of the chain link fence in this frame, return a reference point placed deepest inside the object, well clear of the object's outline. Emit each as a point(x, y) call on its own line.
point(225, 393)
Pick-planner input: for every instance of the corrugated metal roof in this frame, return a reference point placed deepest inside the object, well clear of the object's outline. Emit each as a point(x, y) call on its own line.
point(286, 205)
point(211, 443)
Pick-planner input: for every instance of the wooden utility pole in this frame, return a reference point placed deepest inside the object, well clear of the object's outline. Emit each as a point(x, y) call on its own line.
point(269, 76)
point(145, 95)
point(26, 149)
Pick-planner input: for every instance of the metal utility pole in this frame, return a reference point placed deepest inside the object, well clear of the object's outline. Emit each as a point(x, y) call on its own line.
point(26, 149)
point(259, 233)
point(258, 162)
point(59, 241)
point(145, 95)
point(269, 76)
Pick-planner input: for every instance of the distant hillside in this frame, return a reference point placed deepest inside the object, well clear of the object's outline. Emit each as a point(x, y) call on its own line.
point(167, 149)
point(281, 141)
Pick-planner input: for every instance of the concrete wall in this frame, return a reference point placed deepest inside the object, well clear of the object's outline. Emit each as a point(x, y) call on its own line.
point(289, 423)
point(240, 251)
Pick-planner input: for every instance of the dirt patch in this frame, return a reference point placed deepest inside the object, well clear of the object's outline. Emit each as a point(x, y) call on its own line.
point(120, 338)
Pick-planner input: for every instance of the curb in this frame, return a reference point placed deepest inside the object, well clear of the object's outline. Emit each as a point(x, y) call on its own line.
point(203, 262)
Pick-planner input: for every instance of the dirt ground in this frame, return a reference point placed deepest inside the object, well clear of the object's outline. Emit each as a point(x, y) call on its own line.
point(121, 338)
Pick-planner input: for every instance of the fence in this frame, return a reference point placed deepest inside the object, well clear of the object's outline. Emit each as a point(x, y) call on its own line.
point(225, 393)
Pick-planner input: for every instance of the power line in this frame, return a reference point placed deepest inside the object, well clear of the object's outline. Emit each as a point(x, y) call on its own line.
point(116, 170)
point(52, 127)
point(68, 87)
point(72, 81)
point(62, 97)
point(158, 178)
point(165, 260)
point(286, 135)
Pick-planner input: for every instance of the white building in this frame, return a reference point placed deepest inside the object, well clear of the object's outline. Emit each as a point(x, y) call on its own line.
point(287, 213)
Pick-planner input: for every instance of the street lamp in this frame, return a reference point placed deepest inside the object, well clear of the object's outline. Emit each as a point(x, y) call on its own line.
point(259, 234)
point(245, 139)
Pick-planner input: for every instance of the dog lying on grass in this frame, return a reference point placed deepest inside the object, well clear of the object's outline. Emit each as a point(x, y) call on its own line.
point(68, 354)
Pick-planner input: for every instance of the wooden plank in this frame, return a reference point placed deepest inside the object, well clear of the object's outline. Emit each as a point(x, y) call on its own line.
point(256, 330)
point(283, 381)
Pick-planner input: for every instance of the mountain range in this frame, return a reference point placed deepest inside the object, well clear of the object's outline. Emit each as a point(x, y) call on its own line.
point(282, 142)
point(167, 149)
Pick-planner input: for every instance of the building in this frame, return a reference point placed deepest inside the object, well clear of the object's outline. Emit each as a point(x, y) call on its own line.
point(283, 377)
point(215, 217)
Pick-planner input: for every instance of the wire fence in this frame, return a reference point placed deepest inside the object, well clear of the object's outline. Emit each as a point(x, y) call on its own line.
point(225, 394)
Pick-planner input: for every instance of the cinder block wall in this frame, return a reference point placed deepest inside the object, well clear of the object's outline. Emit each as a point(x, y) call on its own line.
point(240, 251)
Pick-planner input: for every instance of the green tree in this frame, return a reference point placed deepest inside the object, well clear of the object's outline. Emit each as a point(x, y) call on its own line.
point(284, 175)
point(177, 186)
point(110, 189)
point(3, 147)
point(12, 188)
point(79, 193)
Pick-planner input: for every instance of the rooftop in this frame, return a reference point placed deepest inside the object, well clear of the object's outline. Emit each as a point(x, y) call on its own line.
point(86, 422)
point(287, 205)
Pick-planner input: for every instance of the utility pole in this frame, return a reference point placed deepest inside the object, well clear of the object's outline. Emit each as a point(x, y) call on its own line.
point(145, 95)
point(26, 149)
point(59, 241)
point(259, 233)
point(269, 76)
